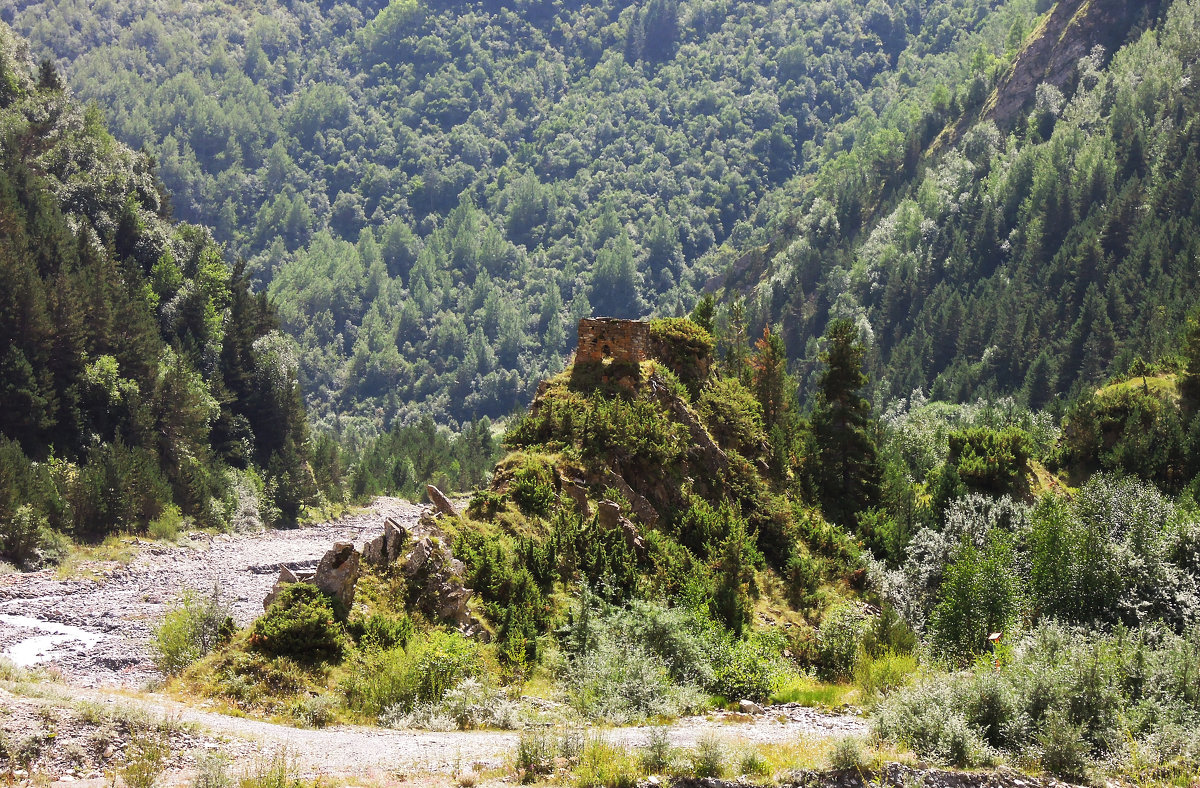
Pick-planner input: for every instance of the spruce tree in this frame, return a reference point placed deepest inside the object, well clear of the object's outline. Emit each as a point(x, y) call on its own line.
point(847, 468)
point(772, 386)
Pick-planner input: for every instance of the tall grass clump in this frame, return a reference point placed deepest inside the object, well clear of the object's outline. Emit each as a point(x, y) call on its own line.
point(606, 765)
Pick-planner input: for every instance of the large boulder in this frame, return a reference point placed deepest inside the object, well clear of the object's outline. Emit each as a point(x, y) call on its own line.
point(337, 573)
point(395, 537)
point(374, 551)
point(440, 501)
point(608, 514)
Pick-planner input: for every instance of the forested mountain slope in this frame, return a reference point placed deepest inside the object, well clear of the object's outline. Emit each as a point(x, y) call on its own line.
point(140, 378)
point(1033, 258)
point(432, 191)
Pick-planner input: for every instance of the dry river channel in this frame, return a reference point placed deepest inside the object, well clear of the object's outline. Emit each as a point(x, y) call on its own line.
point(93, 631)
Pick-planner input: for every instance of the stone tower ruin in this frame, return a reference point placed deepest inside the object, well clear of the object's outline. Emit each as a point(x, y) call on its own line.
point(624, 341)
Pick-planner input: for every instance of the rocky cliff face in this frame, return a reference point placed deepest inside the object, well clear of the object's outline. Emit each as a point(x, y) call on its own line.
point(1051, 54)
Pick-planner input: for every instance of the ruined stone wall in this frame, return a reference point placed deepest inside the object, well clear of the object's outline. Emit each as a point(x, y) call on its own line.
point(624, 341)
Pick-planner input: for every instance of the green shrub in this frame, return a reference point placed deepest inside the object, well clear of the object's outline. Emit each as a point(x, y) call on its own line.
point(847, 754)
point(990, 460)
point(989, 704)
point(889, 632)
point(144, 760)
point(1064, 753)
point(119, 488)
point(708, 759)
point(926, 719)
point(634, 429)
point(642, 661)
point(623, 683)
point(167, 525)
point(280, 770)
point(803, 576)
point(532, 486)
point(212, 771)
point(879, 675)
point(754, 765)
point(28, 541)
point(382, 632)
point(315, 711)
point(733, 416)
point(534, 756)
point(195, 626)
point(300, 624)
point(684, 347)
point(421, 673)
point(750, 669)
point(980, 594)
point(839, 641)
point(657, 754)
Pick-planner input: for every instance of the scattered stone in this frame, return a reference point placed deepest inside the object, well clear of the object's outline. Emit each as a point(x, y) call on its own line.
point(452, 599)
point(440, 501)
point(633, 537)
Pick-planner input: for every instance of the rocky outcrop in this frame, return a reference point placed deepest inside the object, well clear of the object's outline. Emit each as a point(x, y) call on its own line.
point(436, 579)
point(384, 549)
point(286, 578)
point(608, 517)
point(576, 492)
point(336, 575)
point(1052, 52)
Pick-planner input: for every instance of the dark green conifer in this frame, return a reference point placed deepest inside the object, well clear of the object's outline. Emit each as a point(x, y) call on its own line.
point(848, 472)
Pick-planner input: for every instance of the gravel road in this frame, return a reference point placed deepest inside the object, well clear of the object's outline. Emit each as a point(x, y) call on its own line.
point(96, 633)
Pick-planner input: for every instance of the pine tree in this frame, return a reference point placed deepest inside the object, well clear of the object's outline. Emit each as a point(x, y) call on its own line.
point(848, 473)
point(772, 386)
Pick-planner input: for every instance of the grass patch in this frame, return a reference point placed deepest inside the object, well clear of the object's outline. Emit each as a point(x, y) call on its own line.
point(1165, 386)
point(605, 765)
point(86, 562)
point(808, 691)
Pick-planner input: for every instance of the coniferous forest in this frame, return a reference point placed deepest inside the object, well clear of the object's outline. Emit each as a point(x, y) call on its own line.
point(911, 428)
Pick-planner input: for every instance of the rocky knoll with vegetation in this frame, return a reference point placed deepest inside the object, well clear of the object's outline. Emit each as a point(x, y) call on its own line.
point(683, 525)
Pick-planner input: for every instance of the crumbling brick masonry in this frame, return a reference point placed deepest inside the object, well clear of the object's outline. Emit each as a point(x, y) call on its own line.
point(624, 341)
